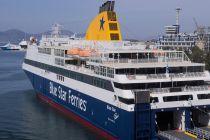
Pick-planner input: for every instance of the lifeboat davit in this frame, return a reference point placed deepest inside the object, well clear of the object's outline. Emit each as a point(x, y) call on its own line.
point(74, 51)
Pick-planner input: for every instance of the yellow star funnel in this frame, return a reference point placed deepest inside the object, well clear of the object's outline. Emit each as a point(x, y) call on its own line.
point(105, 26)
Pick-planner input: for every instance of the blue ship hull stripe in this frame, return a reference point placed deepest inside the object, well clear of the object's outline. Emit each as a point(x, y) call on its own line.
point(114, 121)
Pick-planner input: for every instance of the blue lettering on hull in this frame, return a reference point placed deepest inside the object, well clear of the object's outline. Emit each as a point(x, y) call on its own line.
point(113, 120)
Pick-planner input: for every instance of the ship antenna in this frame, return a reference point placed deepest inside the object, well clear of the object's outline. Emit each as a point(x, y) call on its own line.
point(56, 30)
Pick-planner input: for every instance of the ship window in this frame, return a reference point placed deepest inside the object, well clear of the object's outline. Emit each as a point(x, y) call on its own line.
point(153, 99)
point(98, 82)
point(112, 16)
point(113, 26)
point(114, 36)
point(159, 85)
point(182, 70)
point(126, 101)
point(59, 52)
point(175, 89)
point(195, 69)
point(59, 61)
point(110, 72)
point(60, 78)
point(44, 50)
point(204, 96)
point(177, 98)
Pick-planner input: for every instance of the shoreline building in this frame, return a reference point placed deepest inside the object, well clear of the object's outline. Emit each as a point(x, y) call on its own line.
point(176, 40)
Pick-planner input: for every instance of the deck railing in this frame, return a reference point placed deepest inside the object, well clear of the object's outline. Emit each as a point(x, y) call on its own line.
point(140, 60)
point(183, 89)
point(156, 76)
point(135, 61)
point(195, 88)
point(171, 75)
point(160, 90)
point(188, 75)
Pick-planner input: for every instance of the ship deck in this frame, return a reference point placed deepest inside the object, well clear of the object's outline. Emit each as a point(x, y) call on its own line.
point(178, 135)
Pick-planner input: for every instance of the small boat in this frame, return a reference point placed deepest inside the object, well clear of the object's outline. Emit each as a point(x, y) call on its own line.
point(23, 44)
point(10, 46)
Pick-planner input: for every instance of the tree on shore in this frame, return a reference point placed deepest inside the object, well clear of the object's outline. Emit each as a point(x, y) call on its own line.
point(199, 56)
point(207, 61)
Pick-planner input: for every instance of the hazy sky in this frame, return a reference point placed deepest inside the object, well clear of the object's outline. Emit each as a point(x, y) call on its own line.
point(138, 18)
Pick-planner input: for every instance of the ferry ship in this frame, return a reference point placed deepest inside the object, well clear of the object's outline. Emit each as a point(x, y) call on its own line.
point(10, 46)
point(118, 88)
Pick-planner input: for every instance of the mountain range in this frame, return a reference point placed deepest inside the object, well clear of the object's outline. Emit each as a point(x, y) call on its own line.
point(15, 36)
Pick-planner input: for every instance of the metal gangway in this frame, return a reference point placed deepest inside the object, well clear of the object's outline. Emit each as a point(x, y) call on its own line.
point(167, 136)
point(198, 133)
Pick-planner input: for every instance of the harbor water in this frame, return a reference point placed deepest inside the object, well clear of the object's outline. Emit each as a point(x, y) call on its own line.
point(23, 116)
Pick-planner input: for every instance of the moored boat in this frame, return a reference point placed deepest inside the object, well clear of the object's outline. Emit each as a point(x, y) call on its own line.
point(10, 46)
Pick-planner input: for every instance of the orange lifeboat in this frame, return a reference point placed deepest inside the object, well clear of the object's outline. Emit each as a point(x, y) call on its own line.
point(74, 51)
point(85, 53)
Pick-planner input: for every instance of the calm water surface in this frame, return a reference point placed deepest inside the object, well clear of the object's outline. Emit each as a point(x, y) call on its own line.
point(23, 116)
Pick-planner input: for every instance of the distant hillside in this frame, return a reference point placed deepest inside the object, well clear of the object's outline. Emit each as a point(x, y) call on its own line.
point(15, 36)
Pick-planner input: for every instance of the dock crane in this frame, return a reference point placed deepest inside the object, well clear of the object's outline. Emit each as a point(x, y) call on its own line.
point(201, 32)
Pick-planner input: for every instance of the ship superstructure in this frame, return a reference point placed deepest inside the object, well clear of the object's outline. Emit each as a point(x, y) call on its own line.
point(119, 88)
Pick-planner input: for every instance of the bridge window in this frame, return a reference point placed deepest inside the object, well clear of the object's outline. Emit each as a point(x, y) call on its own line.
point(177, 98)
